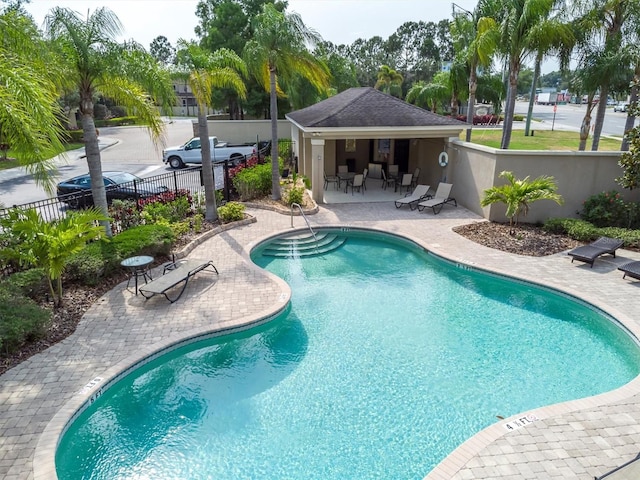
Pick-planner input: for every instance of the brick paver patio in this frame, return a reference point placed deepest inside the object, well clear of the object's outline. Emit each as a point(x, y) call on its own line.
point(578, 439)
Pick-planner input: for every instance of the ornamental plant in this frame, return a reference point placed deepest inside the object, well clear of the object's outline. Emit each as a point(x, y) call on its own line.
point(608, 209)
point(518, 194)
point(36, 242)
point(231, 212)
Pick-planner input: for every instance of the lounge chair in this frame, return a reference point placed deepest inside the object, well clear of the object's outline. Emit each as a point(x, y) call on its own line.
point(630, 268)
point(589, 253)
point(174, 274)
point(420, 193)
point(439, 199)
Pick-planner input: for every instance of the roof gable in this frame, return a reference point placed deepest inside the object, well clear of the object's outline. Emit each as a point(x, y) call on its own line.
point(367, 107)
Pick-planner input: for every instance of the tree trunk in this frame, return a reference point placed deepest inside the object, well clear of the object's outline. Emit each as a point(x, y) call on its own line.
point(471, 104)
point(631, 120)
point(92, 150)
point(275, 168)
point(586, 124)
point(211, 209)
point(532, 95)
point(509, 108)
point(602, 108)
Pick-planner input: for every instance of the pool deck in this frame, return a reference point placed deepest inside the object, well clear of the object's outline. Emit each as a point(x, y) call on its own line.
point(579, 439)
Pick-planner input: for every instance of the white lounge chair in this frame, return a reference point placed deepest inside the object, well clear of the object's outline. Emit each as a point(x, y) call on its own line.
point(439, 199)
point(421, 192)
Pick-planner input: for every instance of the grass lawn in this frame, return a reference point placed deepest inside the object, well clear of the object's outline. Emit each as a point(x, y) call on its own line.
point(542, 140)
point(11, 162)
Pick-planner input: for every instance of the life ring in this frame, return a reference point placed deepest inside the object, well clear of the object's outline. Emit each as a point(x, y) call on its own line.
point(443, 159)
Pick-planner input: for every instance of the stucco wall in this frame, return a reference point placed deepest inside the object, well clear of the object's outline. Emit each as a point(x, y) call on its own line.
point(243, 131)
point(474, 168)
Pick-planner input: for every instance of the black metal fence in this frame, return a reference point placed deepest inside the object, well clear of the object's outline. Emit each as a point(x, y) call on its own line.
point(53, 208)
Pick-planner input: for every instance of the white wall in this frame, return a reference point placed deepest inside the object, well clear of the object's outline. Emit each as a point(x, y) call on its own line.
point(245, 131)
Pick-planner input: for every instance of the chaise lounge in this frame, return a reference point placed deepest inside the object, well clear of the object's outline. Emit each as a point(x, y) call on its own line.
point(631, 268)
point(589, 253)
point(440, 199)
point(174, 274)
point(421, 192)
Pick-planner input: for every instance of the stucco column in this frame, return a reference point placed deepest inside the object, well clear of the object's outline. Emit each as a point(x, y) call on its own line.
point(317, 169)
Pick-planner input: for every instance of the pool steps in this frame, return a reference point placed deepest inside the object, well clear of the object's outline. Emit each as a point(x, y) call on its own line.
point(304, 245)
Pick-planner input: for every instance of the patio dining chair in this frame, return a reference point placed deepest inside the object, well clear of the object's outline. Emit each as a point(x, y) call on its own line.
point(407, 180)
point(387, 181)
point(357, 182)
point(364, 178)
point(414, 179)
point(343, 169)
point(331, 179)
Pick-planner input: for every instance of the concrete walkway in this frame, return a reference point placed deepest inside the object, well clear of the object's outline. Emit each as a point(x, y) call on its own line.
point(579, 439)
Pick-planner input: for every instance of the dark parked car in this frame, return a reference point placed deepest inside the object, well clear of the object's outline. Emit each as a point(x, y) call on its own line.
point(76, 192)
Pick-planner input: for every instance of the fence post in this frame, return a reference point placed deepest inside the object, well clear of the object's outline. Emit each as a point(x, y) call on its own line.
point(226, 180)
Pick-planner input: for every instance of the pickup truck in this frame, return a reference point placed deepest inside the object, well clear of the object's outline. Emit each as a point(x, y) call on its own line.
point(190, 152)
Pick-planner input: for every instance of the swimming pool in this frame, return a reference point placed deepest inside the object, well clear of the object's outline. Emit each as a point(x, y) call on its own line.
point(387, 359)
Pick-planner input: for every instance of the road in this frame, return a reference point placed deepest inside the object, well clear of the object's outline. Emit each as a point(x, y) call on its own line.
point(569, 117)
point(122, 148)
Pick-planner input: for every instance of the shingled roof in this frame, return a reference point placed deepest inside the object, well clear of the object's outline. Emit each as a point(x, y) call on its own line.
point(367, 107)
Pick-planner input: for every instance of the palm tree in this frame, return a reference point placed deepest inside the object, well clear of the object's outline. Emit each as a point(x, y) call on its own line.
point(29, 113)
point(205, 72)
point(94, 63)
point(559, 39)
point(523, 25)
point(604, 20)
point(279, 49)
point(518, 194)
point(476, 37)
point(430, 95)
point(389, 81)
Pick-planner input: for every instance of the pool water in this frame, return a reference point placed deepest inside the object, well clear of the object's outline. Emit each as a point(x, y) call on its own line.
point(386, 360)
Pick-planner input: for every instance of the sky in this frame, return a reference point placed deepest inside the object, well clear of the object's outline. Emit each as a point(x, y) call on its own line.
point(338, 21)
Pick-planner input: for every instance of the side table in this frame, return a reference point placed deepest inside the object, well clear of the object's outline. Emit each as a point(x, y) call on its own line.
point(139, 267)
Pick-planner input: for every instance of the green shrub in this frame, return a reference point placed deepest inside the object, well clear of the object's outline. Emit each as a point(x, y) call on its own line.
point(608, 209)
point(518, 117)
point(181, 228)
point(587, 232)
point(172, 211)
point(253, 182)
point(92, 264)
point(74, 136)
point(294, 195)
point(31, 283)
point(100, 259)
point(575, 228)
point(231, 212)
point(21, 319)
point(144, 240)
point(196, 222)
